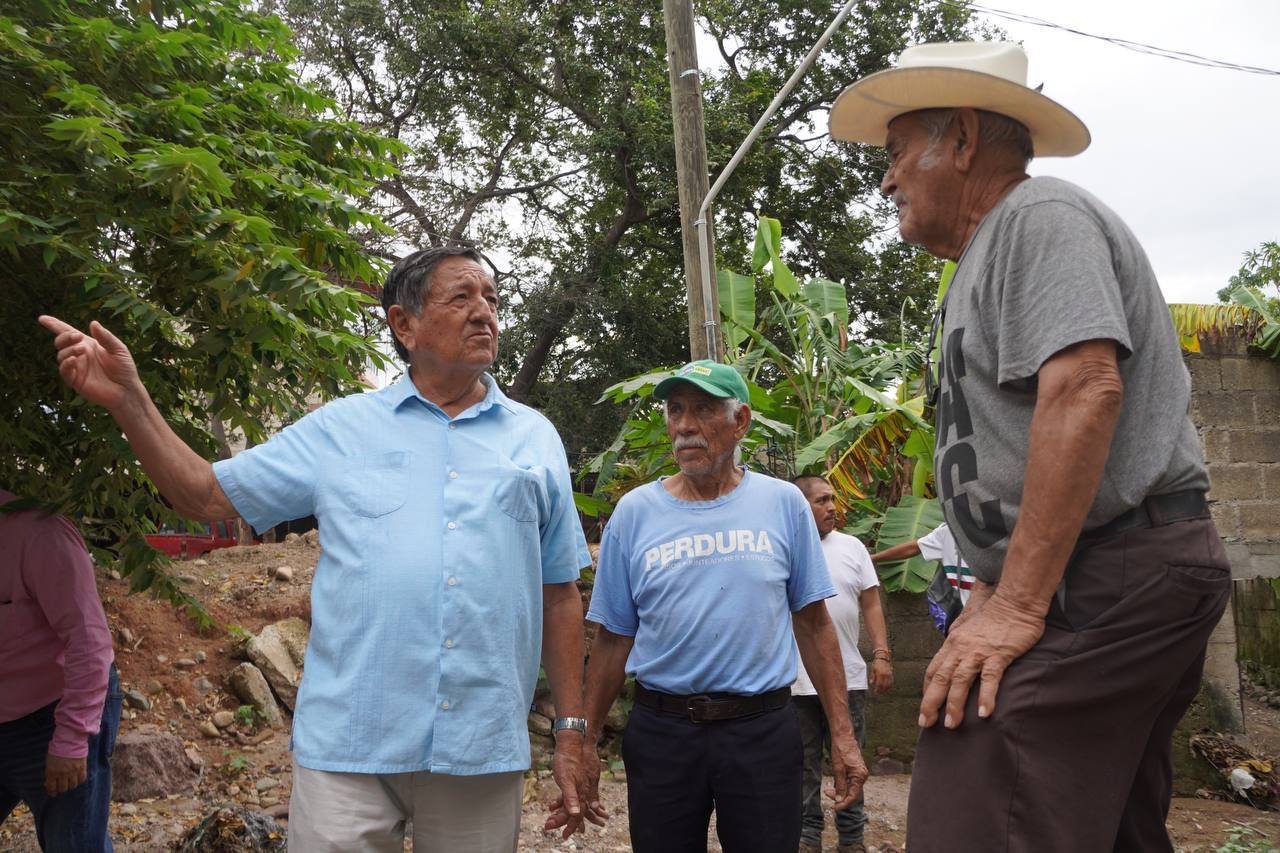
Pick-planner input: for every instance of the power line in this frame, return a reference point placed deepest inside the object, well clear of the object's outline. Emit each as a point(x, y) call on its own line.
point(1127, 44)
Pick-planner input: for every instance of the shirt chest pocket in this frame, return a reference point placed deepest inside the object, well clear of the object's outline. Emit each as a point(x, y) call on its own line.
point(518, 494)
point(374, 484)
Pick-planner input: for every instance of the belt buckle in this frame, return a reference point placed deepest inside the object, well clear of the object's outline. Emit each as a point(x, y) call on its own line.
point(696, 706)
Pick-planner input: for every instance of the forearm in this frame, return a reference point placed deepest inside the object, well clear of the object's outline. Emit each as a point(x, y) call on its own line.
point(562, 650)
point(820, 652)
point(1071, 432)
point(606, 673)
point(873, 618)
point(901, 551)
point(184, 477)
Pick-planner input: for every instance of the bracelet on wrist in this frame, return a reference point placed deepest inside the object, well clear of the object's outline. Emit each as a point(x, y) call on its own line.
point(574, 724)
point(882, 654)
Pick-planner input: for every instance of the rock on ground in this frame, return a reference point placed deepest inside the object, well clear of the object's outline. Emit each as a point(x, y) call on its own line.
point(278, 651)
point(248, 683)
point(150, 763)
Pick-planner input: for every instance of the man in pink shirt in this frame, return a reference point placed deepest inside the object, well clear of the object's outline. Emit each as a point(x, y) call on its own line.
point(59, 691)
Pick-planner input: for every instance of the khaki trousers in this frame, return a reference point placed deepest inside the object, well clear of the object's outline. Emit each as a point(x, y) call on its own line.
point(368, 812)
point(1077, 756)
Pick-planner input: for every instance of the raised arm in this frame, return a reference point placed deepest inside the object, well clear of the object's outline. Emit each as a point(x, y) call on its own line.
point(99, 368)
point(901, 551)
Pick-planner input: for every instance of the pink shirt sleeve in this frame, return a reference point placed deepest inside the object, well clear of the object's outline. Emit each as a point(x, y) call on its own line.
point(57, 570)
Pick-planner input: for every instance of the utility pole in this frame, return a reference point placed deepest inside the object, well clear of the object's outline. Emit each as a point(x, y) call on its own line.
point(691, 175)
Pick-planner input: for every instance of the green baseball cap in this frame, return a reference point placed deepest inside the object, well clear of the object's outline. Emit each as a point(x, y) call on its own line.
point(718, 380)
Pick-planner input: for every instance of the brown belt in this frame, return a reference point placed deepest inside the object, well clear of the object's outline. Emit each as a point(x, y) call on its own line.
point(709, 707)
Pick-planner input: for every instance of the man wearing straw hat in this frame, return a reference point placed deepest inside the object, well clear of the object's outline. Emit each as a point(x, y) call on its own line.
point(1067, 467)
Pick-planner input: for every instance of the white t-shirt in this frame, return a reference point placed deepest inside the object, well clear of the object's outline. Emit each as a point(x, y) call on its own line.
point(941, 545)
point(851, 573)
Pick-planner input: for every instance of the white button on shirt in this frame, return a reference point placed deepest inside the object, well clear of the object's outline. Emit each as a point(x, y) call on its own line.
point(373, 468)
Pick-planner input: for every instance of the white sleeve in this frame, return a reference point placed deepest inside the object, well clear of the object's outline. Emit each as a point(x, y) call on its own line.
point(863, 569)
point(934, 544)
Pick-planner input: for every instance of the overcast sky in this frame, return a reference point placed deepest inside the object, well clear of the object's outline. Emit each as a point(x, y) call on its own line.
point(1188, 156)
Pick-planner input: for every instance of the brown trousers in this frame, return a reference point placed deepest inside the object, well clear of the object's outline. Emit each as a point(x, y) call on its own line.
point(1077, 756)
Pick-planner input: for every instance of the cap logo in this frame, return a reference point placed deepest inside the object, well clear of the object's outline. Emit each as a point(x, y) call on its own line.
point(696, 368)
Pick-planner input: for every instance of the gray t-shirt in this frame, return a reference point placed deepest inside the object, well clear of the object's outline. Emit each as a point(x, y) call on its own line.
point(1049, 267)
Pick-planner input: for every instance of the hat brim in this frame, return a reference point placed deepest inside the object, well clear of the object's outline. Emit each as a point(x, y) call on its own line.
point(864, 109)
point(664, 388)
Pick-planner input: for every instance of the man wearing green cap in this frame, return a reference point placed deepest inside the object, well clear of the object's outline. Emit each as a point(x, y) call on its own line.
point(702, 578)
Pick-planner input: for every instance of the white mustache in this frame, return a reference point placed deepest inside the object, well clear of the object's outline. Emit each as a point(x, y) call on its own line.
point(686, 442)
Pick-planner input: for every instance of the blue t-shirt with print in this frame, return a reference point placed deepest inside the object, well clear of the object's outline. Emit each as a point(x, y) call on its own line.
point(707, 588)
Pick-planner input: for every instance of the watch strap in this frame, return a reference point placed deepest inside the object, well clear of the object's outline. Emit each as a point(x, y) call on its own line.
point(577, 724)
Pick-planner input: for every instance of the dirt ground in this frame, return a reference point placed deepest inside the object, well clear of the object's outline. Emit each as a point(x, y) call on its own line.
point(156, 645)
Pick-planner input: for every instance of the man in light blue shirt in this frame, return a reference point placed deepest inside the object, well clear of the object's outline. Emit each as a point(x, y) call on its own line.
point(451, 547)
point(704, 579)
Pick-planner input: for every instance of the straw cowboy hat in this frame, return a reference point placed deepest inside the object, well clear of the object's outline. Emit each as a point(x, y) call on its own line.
point(984, 75)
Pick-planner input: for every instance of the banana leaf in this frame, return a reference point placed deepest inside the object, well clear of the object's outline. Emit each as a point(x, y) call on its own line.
point(737, 304)
point(912, 518)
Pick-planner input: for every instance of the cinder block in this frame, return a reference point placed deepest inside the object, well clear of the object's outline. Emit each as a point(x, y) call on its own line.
point(1241, 482)
point(915, 640)
point(1271, 484)
point(1259, 519)
point(1257, 445)
point(1230, 344)
point(1224, 517)
point(908, 678)
point(1266, 549)
point(1254, 373)
point(904, 605)
point(1223, 409)
point(1217, 443)
point(1206, 373)
point(1238, 555)
point(1266, 408)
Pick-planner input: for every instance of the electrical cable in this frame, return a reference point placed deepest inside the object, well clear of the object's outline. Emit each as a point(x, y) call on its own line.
point(1127, 44)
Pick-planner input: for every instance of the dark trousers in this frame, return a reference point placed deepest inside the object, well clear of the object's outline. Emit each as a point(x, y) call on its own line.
point(747, 770)
point(815, 735)
point(74, 822)
point(1077, 756)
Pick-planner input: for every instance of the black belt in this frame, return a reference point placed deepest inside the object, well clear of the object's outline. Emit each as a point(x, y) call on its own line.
point(708, 707)
point(1155, 511)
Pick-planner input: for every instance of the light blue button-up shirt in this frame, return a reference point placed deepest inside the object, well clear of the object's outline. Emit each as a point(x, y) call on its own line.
point(437, 535)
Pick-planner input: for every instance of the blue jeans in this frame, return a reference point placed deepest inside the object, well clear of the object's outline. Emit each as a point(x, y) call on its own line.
point(815, 734)
point(74, 822)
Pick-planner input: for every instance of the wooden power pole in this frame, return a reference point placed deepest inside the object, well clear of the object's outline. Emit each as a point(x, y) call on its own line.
point(691, 170)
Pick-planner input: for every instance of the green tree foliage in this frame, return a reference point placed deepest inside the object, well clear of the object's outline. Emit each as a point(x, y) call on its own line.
point(1261, 272)
point(164, 172)
point(821, 404)
point(543, 131)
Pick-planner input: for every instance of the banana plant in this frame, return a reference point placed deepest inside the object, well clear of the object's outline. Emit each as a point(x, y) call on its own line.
point(849, 411)
point(912, 518)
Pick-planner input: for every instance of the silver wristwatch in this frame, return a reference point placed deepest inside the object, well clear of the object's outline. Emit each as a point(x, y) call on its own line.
point(577, 724)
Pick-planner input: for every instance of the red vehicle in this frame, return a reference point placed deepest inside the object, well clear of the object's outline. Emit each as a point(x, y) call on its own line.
point(185, 544)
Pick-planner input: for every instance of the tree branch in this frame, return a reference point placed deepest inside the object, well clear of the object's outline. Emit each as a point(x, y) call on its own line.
point(396, 189)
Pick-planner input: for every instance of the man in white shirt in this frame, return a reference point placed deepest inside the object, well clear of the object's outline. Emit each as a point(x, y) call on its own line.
point(949, 592)
point(857, 596)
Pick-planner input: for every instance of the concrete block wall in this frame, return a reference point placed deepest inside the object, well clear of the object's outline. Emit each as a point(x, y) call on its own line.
point(1235, 404)
point(1236, 408)
point(891, 719)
